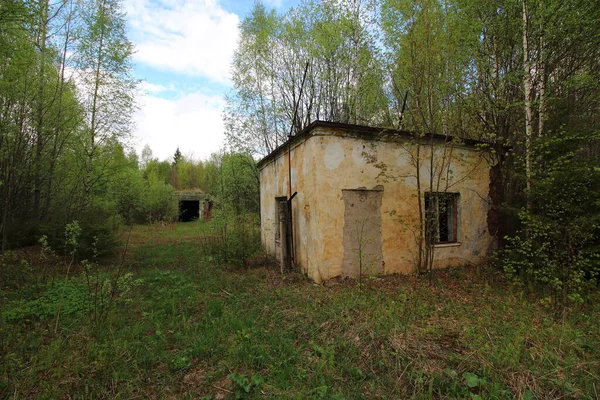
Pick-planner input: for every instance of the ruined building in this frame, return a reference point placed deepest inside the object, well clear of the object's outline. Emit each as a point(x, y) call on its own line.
point(341, 199)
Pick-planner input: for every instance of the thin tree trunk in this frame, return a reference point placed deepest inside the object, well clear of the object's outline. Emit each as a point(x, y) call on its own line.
point(420, 201)
point(542, 92)
point(541, 73)
point(40, 111)
point(5, 213)
point(528, 104)
point(93, 121)
point(57, 126)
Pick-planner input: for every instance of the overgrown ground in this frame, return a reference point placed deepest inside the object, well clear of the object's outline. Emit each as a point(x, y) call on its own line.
point(183, 326)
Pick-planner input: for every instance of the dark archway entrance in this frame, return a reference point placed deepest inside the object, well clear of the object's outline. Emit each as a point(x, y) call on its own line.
point(189, 210)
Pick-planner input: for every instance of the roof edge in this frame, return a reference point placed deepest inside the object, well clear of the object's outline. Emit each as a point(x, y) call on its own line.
point(360, 129)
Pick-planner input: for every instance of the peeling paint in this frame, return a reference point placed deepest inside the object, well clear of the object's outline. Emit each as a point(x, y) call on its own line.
point(334, 154)
point(357, 156)
point(320, 173)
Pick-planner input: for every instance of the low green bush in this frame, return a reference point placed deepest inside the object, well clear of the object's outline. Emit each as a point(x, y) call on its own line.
point(157, 203)
point(238, 238)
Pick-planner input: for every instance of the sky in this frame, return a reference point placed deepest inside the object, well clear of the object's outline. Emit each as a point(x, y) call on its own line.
point(184, 50)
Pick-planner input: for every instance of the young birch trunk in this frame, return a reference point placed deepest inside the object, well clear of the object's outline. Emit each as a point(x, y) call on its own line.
point(420, 198)
point(429, 236)
point(542, 91)
point(541, 74)
point(93, 122)
point(528, 103)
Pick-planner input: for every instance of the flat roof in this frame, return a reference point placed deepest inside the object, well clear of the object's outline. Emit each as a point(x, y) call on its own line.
point(364, 132)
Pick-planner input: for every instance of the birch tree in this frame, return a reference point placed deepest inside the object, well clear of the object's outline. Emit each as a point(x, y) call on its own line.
point(107, 86)
point(426, 50)
point(344, 82)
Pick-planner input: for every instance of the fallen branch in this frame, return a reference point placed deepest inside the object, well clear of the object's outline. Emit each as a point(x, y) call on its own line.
point(223, 389)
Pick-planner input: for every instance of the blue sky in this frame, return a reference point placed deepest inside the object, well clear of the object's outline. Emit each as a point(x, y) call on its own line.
point(183, 54)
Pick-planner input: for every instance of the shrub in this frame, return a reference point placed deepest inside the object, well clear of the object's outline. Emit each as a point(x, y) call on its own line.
point(558, 245)
point(157, 204)
point(240, 238)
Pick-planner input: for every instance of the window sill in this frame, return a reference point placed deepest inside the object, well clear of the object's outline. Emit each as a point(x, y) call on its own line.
point(442, 245)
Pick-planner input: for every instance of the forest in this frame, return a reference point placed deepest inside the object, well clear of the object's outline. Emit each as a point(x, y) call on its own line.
point(67, 99)
point(104, 295)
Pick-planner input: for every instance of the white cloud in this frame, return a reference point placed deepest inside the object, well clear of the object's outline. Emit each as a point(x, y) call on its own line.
point(192, 122)
point(193, 37)
point(148, 87)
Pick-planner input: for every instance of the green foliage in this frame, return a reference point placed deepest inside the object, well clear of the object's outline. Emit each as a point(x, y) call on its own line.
point(244, 386)
point(157, 203)
point(155, 171)
point(97, 234)
point(127, 192)
point(59, 144)
point(344, 83)
point(68, 295)
point(72, 235)
point(239, 238)
point(190, 325)
point(558, 246)
point(239, 183)
point(472, 380)
point(133, 195)
point(14, 269)
point(177, 157)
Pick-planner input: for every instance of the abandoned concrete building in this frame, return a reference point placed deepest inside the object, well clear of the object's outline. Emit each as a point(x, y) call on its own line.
point(341, 199)
point(193, 205)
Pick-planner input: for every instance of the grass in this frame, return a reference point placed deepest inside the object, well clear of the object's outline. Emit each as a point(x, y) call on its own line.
point(188, 328)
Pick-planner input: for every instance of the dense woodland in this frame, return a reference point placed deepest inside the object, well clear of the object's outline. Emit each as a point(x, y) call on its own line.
point(66, 103)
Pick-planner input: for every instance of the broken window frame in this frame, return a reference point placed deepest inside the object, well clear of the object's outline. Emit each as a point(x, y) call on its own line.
point(441, 220)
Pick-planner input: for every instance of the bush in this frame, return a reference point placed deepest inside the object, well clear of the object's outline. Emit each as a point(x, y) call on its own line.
point(554, 256)
point(558, 245)
point(240, 238)
point(157, 203)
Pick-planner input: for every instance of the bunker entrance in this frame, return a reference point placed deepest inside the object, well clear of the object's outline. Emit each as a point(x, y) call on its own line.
point(189, 210)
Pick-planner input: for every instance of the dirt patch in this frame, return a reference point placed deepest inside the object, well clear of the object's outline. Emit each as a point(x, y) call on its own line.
point(193, 379)
point(430, 351)
point(222, 389)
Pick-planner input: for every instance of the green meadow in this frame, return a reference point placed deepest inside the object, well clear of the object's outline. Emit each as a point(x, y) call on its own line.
point(181, 323)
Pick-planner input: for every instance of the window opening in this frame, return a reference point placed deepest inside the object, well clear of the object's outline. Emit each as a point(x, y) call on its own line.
point(441, 211)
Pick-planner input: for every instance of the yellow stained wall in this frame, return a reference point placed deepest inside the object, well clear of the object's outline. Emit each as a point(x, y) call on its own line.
point(329, 161)
point(274, 183)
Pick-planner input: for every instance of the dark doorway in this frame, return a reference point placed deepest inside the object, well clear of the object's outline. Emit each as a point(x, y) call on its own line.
point(189, 210)
point(283, 238)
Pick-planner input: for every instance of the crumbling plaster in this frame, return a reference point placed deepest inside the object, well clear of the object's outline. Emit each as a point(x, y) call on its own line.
point(329, 161)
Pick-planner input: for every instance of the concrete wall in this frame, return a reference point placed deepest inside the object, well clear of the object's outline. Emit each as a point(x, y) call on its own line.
point(331, 161)
point(273, 184)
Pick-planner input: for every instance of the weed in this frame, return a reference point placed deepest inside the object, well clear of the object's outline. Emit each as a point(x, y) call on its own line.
point(243, 385)
point(182, 327)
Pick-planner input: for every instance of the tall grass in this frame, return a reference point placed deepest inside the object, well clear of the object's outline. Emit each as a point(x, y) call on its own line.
point(195, 327)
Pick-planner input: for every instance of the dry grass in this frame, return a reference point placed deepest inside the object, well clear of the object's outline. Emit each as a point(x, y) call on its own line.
point(190, 325)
